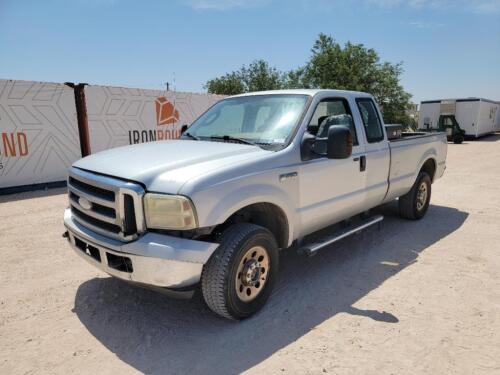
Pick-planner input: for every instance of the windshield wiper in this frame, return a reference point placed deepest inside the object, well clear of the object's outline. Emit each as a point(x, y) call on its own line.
point(191, 136)
point(235, 139)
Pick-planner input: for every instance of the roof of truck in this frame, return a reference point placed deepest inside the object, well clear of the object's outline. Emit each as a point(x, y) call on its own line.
point(309, 92)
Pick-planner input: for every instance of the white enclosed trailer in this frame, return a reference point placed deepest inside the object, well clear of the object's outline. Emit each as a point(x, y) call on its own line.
point(477, 116)
point(498, 118)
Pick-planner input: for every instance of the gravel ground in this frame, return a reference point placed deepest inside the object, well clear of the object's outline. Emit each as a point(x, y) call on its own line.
point(414, 297)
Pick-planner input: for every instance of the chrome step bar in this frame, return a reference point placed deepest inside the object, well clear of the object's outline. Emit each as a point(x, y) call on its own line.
point(312, 248)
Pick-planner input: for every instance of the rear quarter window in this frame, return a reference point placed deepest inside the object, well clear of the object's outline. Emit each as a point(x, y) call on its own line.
point(371, 120)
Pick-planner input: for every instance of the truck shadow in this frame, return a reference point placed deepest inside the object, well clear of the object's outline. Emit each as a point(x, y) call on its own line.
point(157, 335)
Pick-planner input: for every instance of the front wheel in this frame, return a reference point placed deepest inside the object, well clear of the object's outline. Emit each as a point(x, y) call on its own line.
point(414, 204)
point(238, 278)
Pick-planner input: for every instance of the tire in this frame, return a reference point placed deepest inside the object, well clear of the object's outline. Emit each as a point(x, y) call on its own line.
point(458, 139)
point(413, 205)
point(223, 281)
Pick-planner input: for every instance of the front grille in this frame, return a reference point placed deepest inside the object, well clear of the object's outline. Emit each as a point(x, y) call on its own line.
point(93, 190)
point(130, 225)
point(106, 205)
point(103, 210)
point(93, 222)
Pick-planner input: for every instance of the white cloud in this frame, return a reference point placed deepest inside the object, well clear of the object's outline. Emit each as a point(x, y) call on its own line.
point(223, 4)
point(487, 6)
point(426, 25)
point(478, 6)
point(97, 3)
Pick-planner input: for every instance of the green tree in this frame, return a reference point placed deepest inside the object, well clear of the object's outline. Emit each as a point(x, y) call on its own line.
point(355, 67)
point(331, 65)
point(229, 84)
point(258, 76)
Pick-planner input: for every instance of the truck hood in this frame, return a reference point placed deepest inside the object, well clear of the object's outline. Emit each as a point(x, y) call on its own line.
point(165, 166)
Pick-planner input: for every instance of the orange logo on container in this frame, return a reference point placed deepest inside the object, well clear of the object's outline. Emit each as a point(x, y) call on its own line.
point(165, 112)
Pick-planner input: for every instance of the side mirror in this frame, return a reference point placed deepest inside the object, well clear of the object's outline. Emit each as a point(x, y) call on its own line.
point(184, 128)
point(339, 143)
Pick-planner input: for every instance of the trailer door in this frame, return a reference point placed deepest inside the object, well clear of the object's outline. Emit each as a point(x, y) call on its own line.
point(467, 113)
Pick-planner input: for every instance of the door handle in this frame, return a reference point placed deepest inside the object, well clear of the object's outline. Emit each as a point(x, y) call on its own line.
point(362, 162)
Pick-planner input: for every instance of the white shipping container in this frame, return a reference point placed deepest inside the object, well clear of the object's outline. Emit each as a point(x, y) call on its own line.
point(497, 127)
point(497, 122)
point(476, 116)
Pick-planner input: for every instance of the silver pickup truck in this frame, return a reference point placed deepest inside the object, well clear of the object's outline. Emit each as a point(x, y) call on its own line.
point(254, 174)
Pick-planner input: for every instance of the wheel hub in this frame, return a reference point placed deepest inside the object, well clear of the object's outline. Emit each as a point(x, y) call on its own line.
point(252, 273)
point(421, 196)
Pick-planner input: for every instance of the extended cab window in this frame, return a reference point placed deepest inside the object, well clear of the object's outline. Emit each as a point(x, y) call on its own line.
point(371, 121)
point(332, 112)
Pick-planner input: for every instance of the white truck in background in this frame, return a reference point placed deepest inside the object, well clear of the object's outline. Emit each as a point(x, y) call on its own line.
point(254, 174)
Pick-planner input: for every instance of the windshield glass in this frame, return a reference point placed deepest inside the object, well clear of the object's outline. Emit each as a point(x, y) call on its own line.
point(261, 119)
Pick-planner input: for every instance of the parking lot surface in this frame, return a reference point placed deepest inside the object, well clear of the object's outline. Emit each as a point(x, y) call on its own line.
point(412, 297)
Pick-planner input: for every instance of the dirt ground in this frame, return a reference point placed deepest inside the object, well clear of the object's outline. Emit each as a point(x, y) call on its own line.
point(414, 297)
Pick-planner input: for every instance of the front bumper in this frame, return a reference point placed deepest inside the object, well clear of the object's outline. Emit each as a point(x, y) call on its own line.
point(154, 259)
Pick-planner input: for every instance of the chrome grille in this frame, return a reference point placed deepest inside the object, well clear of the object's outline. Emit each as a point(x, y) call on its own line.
point(106, 205)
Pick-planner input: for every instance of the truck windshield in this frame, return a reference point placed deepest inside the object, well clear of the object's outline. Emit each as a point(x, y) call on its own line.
point(267, 120)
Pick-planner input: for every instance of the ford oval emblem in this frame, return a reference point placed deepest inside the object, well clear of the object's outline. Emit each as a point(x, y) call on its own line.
point(84, 203)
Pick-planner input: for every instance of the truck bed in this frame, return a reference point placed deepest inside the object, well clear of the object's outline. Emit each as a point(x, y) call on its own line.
point(414, 135)
point(395, 132)
point(408, 153)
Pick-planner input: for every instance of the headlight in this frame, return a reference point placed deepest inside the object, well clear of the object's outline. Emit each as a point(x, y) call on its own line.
point(169, 212)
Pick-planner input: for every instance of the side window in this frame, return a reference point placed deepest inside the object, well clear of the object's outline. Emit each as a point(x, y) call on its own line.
point(332, 112)
point(371, 121)
point(448, 122)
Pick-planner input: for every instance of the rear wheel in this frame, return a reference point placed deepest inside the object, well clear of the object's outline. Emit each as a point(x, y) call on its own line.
point(239, 277)
point(415, 203)
point(457, 139)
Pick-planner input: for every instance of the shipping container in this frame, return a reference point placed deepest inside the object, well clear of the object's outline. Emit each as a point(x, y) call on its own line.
point(476, 116)
point(38, 133)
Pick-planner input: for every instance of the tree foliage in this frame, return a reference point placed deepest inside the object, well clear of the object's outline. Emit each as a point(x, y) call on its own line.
point(331, 65)
point(258, 76)
point(229, 84)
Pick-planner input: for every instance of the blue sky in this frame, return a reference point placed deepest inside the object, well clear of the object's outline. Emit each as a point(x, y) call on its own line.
point(448, 48)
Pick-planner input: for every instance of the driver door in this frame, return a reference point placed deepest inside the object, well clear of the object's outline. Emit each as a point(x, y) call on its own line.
point(331, 189)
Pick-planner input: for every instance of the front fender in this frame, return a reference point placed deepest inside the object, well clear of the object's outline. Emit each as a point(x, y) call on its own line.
point(215, 208)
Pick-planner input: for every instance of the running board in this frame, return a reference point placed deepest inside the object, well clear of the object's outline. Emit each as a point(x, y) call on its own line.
point(310, 249)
